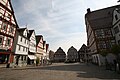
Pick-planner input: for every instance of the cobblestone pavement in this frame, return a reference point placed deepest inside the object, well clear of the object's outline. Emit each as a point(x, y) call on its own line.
point(59, 71)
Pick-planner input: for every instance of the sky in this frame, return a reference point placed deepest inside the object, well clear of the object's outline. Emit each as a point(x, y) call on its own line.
point(61, 22)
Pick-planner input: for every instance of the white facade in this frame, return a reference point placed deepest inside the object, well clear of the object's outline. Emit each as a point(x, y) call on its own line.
point(47, 51)
point(44, 49)
point(32, 44)
point(21, 47)
point(32, 47)
point(39, 48)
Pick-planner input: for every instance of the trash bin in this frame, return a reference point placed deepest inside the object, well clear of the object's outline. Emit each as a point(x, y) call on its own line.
point(8, 65)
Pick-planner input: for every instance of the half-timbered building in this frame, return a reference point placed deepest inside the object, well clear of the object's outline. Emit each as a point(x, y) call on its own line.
point(60, 55)
point(8, 27)
point(72, 54)
point(32, 47)
point(21, 46)
point(47, 51)
point(39, 48)
point(99, 32)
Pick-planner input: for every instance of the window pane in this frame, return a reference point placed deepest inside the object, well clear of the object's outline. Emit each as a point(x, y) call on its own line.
point(19, 48)
point(21, 39)
point(11, 29)
point(8, 42)
point(4, 26)
point(0, 40)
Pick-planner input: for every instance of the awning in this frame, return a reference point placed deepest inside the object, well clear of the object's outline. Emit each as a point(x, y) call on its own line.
point(32, 57)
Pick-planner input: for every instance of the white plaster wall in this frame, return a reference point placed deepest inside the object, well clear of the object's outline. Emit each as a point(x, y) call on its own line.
point(21, 52)
point(22, 44)
point(32, 46)
point(23, 41)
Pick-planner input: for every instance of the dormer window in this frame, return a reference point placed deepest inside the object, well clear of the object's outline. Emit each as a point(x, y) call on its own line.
point(116, 17)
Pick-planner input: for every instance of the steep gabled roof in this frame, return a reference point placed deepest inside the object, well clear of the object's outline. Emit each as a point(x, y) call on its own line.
point(38, 38)
point(72, 51)
point(13, 14)
point(30, 33)
point(83, 48)
point(44, 43)
point(21, 30)
point(101, 18)
point(60, 51)
point(47, 46)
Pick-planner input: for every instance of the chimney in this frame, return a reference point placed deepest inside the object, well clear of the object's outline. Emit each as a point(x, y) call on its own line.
point(88, 10)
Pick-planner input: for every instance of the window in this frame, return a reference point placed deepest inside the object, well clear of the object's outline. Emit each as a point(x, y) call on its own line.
point(25, 58)
point(4, 26)
point(108, 44)
point(107, 32)
point(25, 40)
point(19, 48)
point(116, 29)
point(11, 29)
point(8, 42)
point(99, 33)
point(116, 17)
point(23, 49)
point(22, 58)
point(1, 12)
point(0, 40)
point(9, 16)
point(21, 39)
point(101, 45)
point(26, 49)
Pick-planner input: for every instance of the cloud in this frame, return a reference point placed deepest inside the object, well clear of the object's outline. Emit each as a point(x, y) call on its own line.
point(61, 22)
point(67, 40)
point(94, 4)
